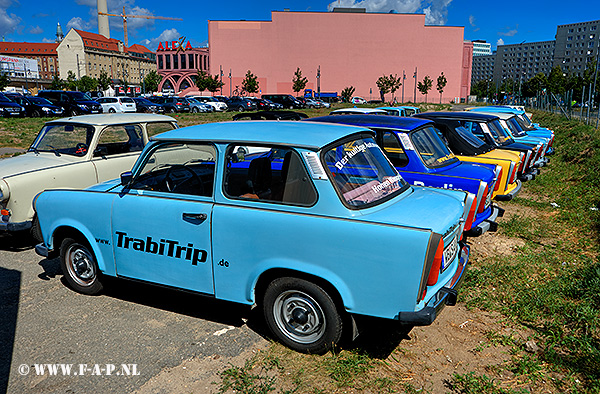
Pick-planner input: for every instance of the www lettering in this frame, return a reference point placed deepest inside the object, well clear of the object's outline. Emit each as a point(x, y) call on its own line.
point(164, 247)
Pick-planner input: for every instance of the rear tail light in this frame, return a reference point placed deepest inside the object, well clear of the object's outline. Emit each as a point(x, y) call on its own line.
point(471, 216)
point(512, 172)
point(434, 273)
point(498, 178)
point(523, 160)
point(482, 204)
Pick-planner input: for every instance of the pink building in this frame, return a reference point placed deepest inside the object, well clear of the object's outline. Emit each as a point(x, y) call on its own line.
point(350, 49)
point(178, 64)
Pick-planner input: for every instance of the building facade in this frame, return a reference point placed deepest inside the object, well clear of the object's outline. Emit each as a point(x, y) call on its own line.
point(87, 53)
point(43, 53)
point(577, 44)
point(179, 64)
point(372, 45)
point(521, 62)
point(481, 48)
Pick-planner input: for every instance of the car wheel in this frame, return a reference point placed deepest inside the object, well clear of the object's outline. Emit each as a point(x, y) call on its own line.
point(241, 108)
point(194, 110)
point(302, 315)
point(72, 112)
point(111, 110)
point(291, 107)
point(79, 266)
point(35, 231)
point(172, 110)
point(36, 114)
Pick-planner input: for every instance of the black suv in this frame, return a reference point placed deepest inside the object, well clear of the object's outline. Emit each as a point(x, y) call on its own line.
point(287, 100)
point(172, 104)
point(74, 103)
point(10, 108)
point(36, 107)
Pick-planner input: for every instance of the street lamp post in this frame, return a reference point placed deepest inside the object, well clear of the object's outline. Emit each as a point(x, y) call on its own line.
point(415, 94)
point(229, 82)
point(403, 82)
point(319, 81)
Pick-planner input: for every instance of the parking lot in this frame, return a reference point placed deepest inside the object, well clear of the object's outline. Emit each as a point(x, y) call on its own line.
point(151, 330)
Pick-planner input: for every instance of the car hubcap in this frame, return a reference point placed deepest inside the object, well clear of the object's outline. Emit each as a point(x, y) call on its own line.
point(80, 265)
point(299, 317)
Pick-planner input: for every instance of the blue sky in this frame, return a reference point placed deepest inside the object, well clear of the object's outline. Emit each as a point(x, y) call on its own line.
point(508, 21)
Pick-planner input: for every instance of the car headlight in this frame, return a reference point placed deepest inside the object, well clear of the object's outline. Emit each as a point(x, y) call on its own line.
point(4, 190)
point(82, 106)
point(46, 109)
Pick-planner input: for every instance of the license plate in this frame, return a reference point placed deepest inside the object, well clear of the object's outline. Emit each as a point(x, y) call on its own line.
point(450, 253)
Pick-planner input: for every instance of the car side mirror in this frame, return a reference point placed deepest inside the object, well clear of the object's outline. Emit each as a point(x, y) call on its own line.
point(126, 178)
point(101, 151)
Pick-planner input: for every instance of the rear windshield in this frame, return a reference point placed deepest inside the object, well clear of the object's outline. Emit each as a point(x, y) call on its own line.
point(498, 132)
point(361, 173)
point(431, 148)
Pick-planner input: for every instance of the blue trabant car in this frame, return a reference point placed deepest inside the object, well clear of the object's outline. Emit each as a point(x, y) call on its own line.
point(421, 157)
point(331, 234)
point(394, 111)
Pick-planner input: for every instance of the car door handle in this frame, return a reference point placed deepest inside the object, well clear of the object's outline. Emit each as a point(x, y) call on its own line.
point(195, 218)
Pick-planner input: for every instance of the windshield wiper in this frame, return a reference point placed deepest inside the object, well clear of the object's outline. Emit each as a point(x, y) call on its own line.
point(56, 152)
point(34, 150)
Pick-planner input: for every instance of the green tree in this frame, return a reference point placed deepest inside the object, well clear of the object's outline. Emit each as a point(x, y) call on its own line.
point(298, 81)
point(441, 84)
point(383, 84)
point(57, 83)
point(250, 83)
point(535, 85)
point(479, 89)
point(347, 93)
point(71, 83)
point(4, 81)
point(202, 80)
point(425, 86)
point(87, 84)
point(556, 80)
point(104, 80)
point(152, 80)
point(213, 83)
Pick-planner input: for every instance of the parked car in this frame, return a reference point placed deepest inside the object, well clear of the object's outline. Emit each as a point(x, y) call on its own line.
point(72, 152)
point(394, 111)
point(198, 106)
point(468, 148)
point(262, 104)
point(410, 111)
point(323, 104)
point(358, 111)
point(172, 104)
point(117, 104)
point(240, 104)
point(74, 103)
point(146, 106)
point(378, 246)
point(273, 105)
point(36, 107)
point(216, 103)
point(488, 129)
point(270, 115)
point(358, 100)
point(287, 100)
point(9, 108)
point(421, 157)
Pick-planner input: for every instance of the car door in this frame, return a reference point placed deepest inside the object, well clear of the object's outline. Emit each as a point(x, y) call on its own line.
point(116, 150)
point(161, 227)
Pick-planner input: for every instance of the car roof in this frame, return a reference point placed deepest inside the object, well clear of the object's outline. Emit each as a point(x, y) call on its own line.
point(359, 110)
point(300, 134)
point(501, 115)
point(459, 115)
point(383, 121)
point(385, 108)
point(108, 119)
point(497, 109)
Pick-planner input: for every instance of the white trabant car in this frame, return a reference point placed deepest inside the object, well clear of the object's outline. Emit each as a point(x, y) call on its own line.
point(74, 152)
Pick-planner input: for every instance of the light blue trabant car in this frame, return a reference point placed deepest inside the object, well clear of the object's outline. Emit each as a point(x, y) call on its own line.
point(315, 226)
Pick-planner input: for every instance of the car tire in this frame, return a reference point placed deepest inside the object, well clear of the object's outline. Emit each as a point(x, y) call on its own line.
point(72, 112)
point(194, 110)
point(289, 303)
point(172, 110)
point(79, 266)
point(36, 114)
point(111, 110)
point(240, 109)
point(35, 230)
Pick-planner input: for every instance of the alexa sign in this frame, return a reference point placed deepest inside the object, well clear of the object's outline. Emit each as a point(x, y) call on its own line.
point(175, 45)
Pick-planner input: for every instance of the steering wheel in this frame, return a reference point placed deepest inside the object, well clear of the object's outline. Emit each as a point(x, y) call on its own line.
point(81, 148)
point(172, 183)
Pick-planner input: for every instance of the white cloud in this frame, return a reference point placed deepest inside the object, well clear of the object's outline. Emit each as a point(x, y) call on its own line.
point(167, 35)
point(36, 30)
point(509, 32)
point(8, 21)
point(48, 40)
point(436, 11)
point(78, 23)
point(500, 42)
point(472, 20)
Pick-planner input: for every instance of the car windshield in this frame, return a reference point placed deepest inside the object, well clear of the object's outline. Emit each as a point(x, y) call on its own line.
point(70, 139)
point(361, 173)
point(39, 100)
point(468, 137)
point(4, 99)
point(431, 148)
point(514, 127)
point(143, 101)
point(79, 96)
point(497, 131)
point(524, 122)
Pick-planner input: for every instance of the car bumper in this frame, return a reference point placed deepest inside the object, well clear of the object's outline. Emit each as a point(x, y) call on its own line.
point(447, 295)
point(541, 162)
point(9, 226)
point(488, 224)
point(509, 196)
point(529, 176)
